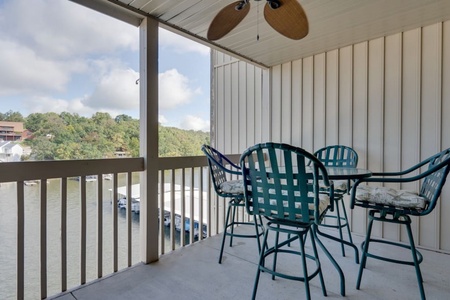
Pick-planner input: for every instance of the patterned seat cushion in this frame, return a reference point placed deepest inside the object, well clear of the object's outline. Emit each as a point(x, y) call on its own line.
point(232, 187)
point(339, 186)
point(389, 196)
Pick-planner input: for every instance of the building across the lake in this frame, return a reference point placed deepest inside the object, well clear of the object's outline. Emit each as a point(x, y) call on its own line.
point(10, 151)
point(13, 131)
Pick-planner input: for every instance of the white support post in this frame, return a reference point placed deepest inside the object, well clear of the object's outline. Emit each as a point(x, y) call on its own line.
point(148, 81)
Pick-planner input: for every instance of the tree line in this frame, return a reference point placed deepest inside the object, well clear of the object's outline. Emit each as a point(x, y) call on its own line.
point(71, 136)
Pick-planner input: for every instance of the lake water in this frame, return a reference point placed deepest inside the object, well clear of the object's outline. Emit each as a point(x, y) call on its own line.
point(8, 237)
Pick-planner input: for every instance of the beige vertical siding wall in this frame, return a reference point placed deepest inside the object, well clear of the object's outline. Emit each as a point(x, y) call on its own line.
point(388, 98)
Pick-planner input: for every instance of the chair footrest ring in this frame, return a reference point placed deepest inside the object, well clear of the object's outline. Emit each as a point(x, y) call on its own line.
point(396, 261)
point(239, 235)
point(343, 222)
point(272, 251)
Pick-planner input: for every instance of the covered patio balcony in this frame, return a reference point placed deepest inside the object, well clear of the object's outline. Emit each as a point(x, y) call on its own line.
point(369, 74)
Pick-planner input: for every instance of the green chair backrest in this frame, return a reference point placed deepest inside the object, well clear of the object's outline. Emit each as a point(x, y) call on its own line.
point(219, 166)
point(278, 184)
point(337, 156)
point(438, 169)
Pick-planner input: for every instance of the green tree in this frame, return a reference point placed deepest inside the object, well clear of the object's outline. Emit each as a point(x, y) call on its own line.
point(123, 118)
point(43, 149)
point(12, 116)
point(70, 136)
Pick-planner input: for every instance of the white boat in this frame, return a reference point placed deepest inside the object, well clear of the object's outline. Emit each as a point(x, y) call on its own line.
point(30, 182)
point(167, 219)
point(89, 178)
point(135, 204)
point(135, 198)
point(187, 226)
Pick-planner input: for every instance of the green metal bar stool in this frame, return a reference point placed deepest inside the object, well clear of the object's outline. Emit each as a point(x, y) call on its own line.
point(339, 156)
point(396, 206)
point(278, 186)
point(220, 166)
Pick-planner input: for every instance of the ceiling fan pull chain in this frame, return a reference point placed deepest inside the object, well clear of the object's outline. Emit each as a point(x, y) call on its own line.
point(257, 22)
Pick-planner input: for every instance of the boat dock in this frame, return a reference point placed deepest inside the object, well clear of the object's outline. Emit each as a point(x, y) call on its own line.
point(175, 198)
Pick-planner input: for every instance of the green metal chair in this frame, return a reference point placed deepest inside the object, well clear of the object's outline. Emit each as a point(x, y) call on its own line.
point(279, 186)
point(396, 206)
point(221, 169)
point(339, 156)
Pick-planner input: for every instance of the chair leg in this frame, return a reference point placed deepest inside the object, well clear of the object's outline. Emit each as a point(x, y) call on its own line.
point(339, 220)
point(257, 231)
point(316, 254)
point(231, 224)
point(348, 225)
point(315, 231)
point(339, 225)
point(225, 231)
point(365, 249)
point(261, 263)
point(275, 254)
point(416, 262)
point(305, 268)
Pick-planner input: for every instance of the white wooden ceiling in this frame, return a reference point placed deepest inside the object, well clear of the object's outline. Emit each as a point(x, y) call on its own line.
point(332, 24)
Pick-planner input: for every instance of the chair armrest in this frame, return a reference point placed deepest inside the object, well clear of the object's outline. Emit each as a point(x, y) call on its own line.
point(413, 168)
point(227, 170)
point(232, 164)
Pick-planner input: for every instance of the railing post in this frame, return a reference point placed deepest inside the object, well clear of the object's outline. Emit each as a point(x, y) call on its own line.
point(20, 241)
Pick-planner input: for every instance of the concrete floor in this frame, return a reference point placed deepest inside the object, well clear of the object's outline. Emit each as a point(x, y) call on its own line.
point(193, 273)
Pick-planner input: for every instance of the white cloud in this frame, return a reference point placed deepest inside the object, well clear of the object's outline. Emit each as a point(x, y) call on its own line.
point(60, 56)
point(174, 90)
point(194, 123)
point(162, 119)
point(181, 44)
point(46, 104)
point(65, 29)
point(117, 90)
point(22, 70)
point(43, 45)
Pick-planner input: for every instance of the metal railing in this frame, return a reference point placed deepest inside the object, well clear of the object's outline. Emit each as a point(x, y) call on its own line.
point(185, 194)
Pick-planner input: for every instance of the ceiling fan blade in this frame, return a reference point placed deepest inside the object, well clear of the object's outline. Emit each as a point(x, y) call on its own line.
point(289, 19)
point(228, 18)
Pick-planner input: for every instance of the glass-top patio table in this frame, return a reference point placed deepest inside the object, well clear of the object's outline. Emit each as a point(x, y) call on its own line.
point(344, 173)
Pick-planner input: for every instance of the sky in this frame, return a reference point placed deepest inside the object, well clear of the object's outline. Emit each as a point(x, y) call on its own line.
point(59, 56)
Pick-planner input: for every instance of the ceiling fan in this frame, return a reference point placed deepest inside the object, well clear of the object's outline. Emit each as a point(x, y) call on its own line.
point(285, 16)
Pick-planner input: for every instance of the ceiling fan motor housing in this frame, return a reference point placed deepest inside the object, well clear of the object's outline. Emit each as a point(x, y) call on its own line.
point(273, 4)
